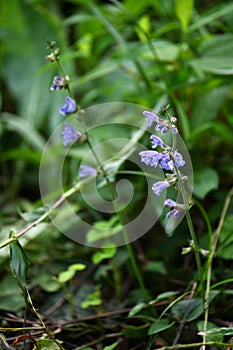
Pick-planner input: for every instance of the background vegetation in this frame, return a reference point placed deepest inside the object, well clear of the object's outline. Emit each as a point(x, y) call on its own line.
point(150, 53)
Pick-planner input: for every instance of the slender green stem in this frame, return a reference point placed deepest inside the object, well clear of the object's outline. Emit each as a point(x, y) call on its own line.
point(65, 77)
point(194, 345)
point(214, 242)
point(188, 217)
point(20, 329)
point(196, 253)
point(56, 57)
point(63, 197)
point(42, 322)
point(137, 271)
point(193, 236)
point(207, 220)
point(34, 310)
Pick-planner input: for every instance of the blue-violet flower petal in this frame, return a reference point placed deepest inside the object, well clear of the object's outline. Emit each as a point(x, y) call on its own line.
point(173, 213)
point(166, 162)
point(159, 186)
point(150, 118)
point(156, 141)
point(86, 170)
point(170, 203)
point(164, 130)
point(58, 83)
point(178, 159)
point(69, 134)
point(69, 107)
point(150, 158)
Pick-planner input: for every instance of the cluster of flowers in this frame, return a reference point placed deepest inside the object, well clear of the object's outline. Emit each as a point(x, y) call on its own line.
point(59, 83)
point(70, 134)
point(165, 158)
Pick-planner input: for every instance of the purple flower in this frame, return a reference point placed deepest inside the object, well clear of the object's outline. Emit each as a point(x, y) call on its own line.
point(150, 118)
point(162, 125)
point(150, 158)
point(173, 213)
point(86, 170)
point(166, 162)
point(58, 83)
point(159, 186)
point(175, 208)
point(173, 119)
point(69, 107)
point(170, 203)
point(156, 141)
point(174, 129)
point(178, 159)
point(159, 127)
point(164, 129)
point(69, 134)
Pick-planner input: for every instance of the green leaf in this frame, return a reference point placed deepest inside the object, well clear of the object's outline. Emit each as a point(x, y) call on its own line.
point(104, 229)
point(93, 299)
point(101, 70)
point(108, 25)
point(47, 282)
point(32, 216)
point(225, 247)
point(159, 326)
point(105, 253)
point(25, 129)
point(183, 117)
point(223, 131)
point(112, 346)
point(66, 276)
point(166, 295)
point(143, 28)
point(184, 12)
point(228, 280)
point(136, 309)
point(212, 101)
point(212, 15)
point(215, 337)
point(30, 155)
point(87, 303)
point(166, 51)
point(221, 330)
point(215, 65)
point(47, 344)
point(135, 332)
point(156, 266)
point(191, 309)
point(194, 307)
point(11, 298)
point(77, 267)
point(32, 26)
point(217, 46)
point(19, 264)
point(205, 180)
